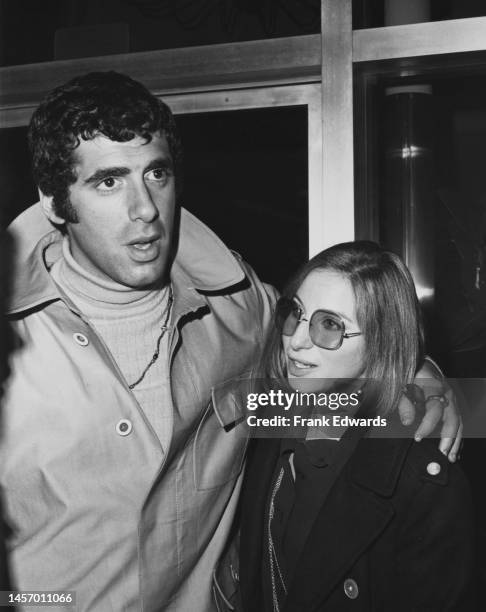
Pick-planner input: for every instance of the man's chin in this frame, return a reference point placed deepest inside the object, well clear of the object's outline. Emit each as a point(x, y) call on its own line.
point(145, 280)
point(144, 284)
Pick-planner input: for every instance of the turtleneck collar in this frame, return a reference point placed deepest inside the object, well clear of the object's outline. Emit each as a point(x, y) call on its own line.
point(90, 288)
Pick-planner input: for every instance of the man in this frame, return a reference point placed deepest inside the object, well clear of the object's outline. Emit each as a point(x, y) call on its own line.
point(121, 474)
point(117, 486)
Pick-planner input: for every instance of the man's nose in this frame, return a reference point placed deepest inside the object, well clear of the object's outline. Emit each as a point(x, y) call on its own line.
point(300, 338)
point(142, 205)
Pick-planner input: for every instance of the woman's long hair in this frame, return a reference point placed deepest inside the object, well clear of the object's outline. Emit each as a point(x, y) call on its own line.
point(388, 314)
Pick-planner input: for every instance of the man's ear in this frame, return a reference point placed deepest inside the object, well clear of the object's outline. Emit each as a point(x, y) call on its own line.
point(47, 203)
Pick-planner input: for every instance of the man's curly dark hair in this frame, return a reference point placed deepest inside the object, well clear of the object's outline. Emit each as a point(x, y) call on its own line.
point(98, 103)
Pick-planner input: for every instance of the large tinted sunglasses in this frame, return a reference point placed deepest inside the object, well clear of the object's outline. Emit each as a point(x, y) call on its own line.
point(326, 329)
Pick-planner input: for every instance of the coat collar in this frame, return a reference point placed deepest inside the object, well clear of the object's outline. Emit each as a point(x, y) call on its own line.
point(202, 260)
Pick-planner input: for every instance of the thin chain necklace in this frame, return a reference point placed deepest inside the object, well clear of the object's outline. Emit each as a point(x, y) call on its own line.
point(163, 329)
point(275, 576)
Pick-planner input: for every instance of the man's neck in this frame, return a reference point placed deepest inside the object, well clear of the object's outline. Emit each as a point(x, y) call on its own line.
point(92, 288)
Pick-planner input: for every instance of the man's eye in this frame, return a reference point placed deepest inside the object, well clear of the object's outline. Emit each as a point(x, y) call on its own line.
point(160, 175)
point(107, 184)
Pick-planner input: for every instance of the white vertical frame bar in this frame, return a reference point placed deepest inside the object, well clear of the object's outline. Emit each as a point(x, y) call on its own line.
point(317, 213)
point(337, 210)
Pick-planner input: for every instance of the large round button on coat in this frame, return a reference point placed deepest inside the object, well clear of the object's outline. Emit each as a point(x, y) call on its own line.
point(351, 588)
point(124, 427)
point(433, 468)
point(81, 339)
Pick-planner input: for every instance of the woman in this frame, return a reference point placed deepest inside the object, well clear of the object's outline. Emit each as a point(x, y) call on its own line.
point(358, 522)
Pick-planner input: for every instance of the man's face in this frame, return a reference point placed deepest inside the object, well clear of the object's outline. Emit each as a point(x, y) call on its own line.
point(124, 198)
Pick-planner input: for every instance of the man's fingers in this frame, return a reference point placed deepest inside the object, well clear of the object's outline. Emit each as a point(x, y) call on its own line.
point(456, 449)
point(451, 433)
point(406, 410)
point(450, 446)
point(430, 421)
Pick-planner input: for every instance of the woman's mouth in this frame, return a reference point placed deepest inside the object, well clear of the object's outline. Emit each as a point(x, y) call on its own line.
point(298, 367)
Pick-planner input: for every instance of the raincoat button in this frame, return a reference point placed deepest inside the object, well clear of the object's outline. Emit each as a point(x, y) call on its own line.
point(81, 339)
point(433, 468)
point(124, 427)
point(351, 588)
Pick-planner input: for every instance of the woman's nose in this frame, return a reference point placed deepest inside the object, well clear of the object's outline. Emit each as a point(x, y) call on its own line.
point(300, 338)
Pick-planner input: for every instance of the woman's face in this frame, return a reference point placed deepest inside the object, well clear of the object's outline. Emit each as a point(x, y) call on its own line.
point(324, 290)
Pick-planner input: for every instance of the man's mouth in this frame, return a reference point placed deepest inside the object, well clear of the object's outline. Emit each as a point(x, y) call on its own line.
point(143, 240)
point(143, 246)
point(145, 249)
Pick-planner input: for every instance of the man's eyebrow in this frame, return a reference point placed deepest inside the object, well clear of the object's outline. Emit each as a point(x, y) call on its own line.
point(103, 173)
point(161, 162)
point(116, 171)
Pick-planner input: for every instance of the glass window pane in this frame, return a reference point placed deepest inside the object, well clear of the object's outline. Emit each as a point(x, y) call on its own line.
point(246, 177)
point(16, 185)
point(432, 206)
point(422, 194)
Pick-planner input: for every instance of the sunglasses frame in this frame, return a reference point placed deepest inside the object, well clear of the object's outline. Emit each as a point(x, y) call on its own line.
point(300, 318)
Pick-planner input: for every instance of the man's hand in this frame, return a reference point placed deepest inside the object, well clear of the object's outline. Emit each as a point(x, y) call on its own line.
point(431, 392)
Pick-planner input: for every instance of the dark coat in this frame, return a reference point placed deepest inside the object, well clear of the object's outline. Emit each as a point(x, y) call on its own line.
point(391, 536)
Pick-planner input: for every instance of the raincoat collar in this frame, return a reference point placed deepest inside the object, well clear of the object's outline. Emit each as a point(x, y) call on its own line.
point(201, 259)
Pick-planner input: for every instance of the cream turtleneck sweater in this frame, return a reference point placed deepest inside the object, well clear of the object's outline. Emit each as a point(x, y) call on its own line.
point(129, 322)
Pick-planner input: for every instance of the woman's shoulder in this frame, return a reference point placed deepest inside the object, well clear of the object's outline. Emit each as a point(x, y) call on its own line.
point(429, 464)
point(386, 465)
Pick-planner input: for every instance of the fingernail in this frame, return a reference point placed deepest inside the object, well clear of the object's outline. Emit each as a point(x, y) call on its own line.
point(407, 421)
point(418, 438)
point(452, 457)
point(443, 451)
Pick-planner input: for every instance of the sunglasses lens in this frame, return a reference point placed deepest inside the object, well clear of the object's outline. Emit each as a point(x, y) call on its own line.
point(286, 316)
point(326, 330)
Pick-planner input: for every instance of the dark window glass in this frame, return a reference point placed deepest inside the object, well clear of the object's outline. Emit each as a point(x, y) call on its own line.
point(425, 162)
point(246, 177)
point(16, 185)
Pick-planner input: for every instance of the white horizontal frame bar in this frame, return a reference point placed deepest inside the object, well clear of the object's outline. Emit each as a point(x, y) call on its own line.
point(240, 99)
point(419, 39)
point(296, 59)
